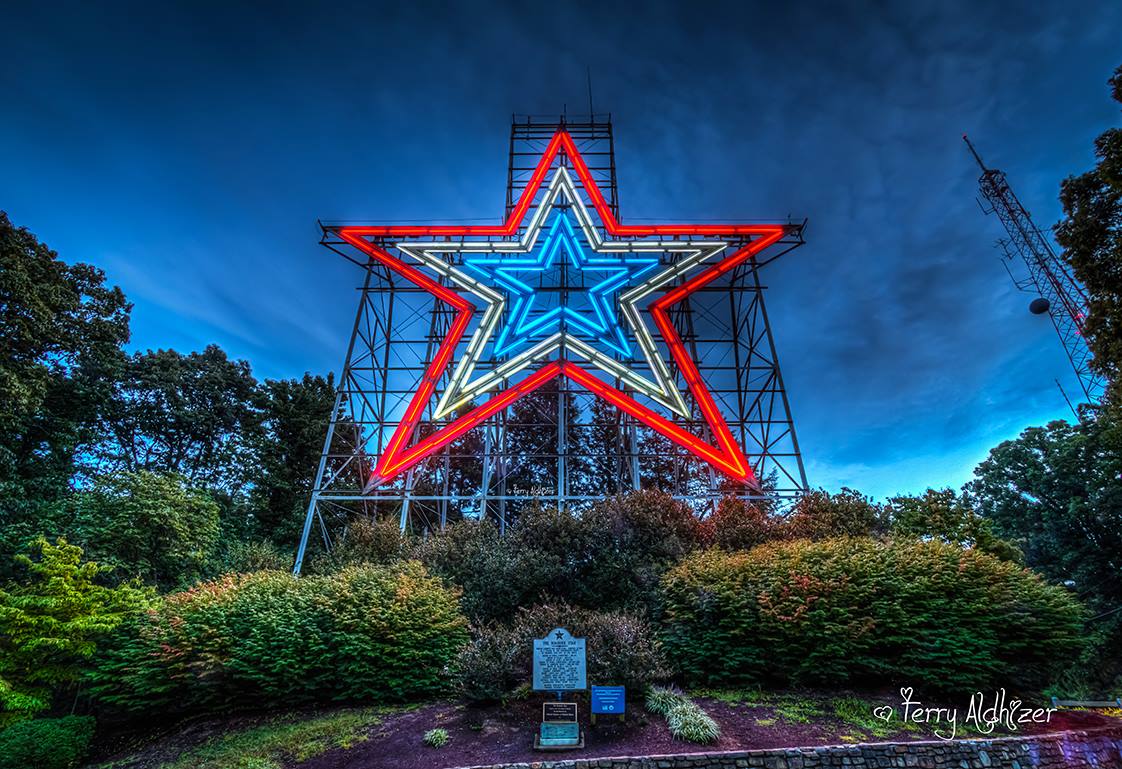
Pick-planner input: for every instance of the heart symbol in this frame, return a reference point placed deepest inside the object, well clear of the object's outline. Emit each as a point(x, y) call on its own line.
point(906, 693)
point(884, 713)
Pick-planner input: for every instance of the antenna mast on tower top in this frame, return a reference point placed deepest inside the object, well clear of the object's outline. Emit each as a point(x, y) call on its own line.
point(1060, 294)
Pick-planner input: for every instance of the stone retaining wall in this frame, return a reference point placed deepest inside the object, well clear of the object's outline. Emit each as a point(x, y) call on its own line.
point(1098, 748)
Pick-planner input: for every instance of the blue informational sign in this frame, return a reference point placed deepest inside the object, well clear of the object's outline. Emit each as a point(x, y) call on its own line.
point(608, 700)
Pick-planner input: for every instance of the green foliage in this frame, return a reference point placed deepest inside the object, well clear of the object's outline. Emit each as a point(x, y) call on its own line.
point(1056, 492)
point(860, 610)
point(635, 538)
point(739, 525)
point(621, 649)
point(611, 557)
point(660, 699)
point(282, 740)
point(795, 709)
point(51, 625)
point(368, 541)
point(364, 633)
point(436, 738)
point(46, 743)
point(241, 556)
point(61, 330)
point(688, 722)
point(858, 712)
point(1091, 237)
point(148, 526)
point(684, 717)
point(194, 415)
point(821, 515)
point(295, 413)
point(945, 516)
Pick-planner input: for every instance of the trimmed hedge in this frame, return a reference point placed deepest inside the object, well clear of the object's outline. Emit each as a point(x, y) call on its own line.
point(379, 633)
point(46, 743)
point(862, 610)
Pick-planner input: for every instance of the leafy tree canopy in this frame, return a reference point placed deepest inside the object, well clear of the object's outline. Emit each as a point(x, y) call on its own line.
point(59, 350)
point(147, 525)
point(946, 516)
point(1091, 236)
point(194, 415)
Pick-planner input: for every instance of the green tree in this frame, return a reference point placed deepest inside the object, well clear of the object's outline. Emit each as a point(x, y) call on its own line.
point(59, 350)
point(51, 624)
point(946, 516)
point(194, 415)
point(145, 525)
point(295, 415)
point(1056, 492)
point(821, 515)
point(1091, 237)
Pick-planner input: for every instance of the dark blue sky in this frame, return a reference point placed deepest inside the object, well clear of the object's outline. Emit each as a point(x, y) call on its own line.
point(188, 152)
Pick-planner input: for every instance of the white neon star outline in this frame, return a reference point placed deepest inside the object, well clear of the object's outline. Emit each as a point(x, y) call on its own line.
point(662, 390)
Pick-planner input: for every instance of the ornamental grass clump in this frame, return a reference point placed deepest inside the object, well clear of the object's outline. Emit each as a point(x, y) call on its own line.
point(436, 738)
point(684, 717)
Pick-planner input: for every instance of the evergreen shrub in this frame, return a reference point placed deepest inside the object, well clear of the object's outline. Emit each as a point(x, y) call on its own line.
point(381, 633)
point(46, 743)
point(846, 610)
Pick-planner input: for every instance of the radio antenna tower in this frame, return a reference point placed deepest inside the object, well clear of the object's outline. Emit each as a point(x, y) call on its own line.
point(1058, 292)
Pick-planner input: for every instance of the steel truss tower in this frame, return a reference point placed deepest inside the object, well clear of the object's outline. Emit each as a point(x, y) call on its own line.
point(1048, 275)
point(559, 446)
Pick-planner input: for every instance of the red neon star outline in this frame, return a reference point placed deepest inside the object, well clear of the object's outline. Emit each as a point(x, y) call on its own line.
point(726, 456)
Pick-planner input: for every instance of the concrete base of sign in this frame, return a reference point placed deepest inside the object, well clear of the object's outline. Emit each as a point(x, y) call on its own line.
point(550, 745)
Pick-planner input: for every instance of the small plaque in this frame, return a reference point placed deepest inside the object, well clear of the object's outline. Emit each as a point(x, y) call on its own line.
point(608, 700)
point(559, 662)
point(559, 737)
point(559, 712)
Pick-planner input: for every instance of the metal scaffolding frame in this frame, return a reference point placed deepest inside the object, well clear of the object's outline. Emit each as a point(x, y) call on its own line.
point(559, 445)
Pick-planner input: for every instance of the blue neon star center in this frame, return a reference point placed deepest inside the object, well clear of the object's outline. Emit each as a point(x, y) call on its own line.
point(527, 319)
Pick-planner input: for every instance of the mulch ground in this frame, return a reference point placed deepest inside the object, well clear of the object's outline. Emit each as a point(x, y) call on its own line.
point(505, 735)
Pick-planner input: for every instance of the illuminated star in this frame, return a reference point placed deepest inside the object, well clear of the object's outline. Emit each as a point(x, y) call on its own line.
point(561, 243)
point(405, 448)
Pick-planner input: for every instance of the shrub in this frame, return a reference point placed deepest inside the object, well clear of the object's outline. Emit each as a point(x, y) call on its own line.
point(46, 743)
point(371, 541)
point(621, 649)
point(738, 525)
point(51, 625)
point(436, 738)
point(370, 633)
point(610, 557)
point(637, 537)
point(494, 576)
point(821, 515)
point(860, 610)
point(253, 555)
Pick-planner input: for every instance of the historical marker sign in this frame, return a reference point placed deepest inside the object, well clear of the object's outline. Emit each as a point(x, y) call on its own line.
point(559, 662)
